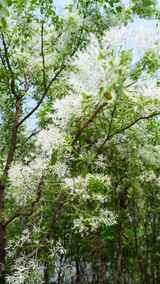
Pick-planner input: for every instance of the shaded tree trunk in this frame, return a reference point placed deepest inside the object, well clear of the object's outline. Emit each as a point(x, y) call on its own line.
point(9, 160)
point(46, 274)
point(119, 255)
point(102, 269)
point(102, 261)
point(78, 278)
point(2, 236)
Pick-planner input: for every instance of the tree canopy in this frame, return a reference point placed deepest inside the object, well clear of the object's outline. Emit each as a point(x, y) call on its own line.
point(80, 142)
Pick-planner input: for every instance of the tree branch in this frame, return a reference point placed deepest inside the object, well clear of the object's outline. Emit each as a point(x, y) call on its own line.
point(42, 97)
point(43, 56)
point(62, 67)
point(13, 141)
point(119, 131)
point(34, 133)
point(12, 83)
point(89, 121)
point(27, 212)
point(111, 120)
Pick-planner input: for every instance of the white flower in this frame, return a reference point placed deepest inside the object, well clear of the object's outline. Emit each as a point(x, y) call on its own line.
point(148, 89)
point(60, 169)
point(22, 271)
point(24, 179)
point(91, 224)
point(66, 108)
point(49, 138)
point(94, 72)
point(150, 155)
point(140, 35)
point(91, 72)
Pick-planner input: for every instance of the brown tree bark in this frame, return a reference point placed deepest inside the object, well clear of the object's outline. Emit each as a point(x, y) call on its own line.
point(102, 269)
point(119, 255)
point(2, 236)
point(2, 254)
point(101, 260)
point(10, 157)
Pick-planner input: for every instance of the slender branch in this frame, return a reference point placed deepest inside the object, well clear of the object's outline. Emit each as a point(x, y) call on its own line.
point(43, 56)
point(34, 133)
point(121, 130)
point(130, 84)
point(62, 201)
point(111, 120)
point(12, 83)
point(6, 53)
point(42, 97)
point(2, 60)
point(13, 142)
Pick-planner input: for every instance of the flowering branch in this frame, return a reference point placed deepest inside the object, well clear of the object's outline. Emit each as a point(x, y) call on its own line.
point(121, 130)
point(89, 121)
point(47, 88)
point(42, 54)
point(27, 212)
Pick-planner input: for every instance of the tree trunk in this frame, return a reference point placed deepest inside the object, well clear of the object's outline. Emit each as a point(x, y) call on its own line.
point(46, 274)
point(2, 253)
point(103, 270)
point(10, 157)
point(2, 236)
point(101, 260)
point(78, 278)
point(119, 263)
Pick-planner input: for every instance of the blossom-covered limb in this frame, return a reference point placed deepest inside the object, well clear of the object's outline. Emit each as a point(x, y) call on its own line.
point(27, 212)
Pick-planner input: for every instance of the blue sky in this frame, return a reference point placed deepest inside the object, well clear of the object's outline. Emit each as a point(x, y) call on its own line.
point(60, 4)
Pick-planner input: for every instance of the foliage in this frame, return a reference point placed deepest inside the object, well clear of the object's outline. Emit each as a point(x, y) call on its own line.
point(79, 130)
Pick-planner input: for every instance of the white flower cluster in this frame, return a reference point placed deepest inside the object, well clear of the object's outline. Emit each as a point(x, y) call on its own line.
point(56, 249)
point(149, 177)
point(148, 89)
point(90, 73)
point(60, 169)
point(25, 238)
point(96, 71)
point(100, 161)
point(88, 225)
point(78, 186)
point(66, 108)
point(51, 136)
point(150, 155)
point(84, 190)
point(140, 35)
point(26, 271)
point(24, 180)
